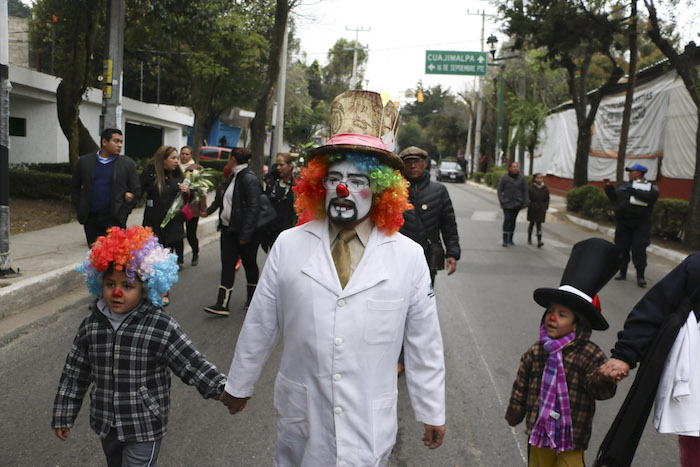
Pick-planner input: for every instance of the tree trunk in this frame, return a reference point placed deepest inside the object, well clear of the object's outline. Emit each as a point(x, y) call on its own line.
point(75, 82)
point(258, 126)
point(685, 66)
point(629, 96)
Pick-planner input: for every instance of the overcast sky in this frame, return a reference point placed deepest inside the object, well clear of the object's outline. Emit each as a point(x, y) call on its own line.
point(400, 31)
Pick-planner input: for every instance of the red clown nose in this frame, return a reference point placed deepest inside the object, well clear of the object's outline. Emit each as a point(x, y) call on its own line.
point(342, 191)
point(117, 293)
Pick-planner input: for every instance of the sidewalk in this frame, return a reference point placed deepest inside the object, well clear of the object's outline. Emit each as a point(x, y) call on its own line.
point(47, 260)
point(558, 204)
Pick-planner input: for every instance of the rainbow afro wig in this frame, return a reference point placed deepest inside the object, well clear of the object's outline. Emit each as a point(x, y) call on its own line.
point(390, 190)
point(137, 252)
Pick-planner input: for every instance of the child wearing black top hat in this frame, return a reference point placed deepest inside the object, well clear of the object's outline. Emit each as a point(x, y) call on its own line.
point(557, 383)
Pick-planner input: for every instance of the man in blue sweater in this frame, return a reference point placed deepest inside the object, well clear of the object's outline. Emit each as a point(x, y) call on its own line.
point(105, 187)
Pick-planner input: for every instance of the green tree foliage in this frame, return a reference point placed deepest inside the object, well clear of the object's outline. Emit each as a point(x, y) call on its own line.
point(19, 9)
point(338, 73)
point(209, 51)
point(571, 33)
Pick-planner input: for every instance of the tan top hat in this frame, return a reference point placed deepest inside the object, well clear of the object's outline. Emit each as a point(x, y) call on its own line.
point(364, 122)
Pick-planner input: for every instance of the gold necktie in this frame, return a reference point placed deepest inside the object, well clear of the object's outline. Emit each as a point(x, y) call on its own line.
point(341, 255)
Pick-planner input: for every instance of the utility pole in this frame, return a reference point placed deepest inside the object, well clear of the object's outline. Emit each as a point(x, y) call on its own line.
point(6, 270)
point(281, 96)
point(353, 79)
point(112, 74)
point(480, 97)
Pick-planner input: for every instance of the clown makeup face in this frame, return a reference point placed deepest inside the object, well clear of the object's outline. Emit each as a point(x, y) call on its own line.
point(120, 293)
point(559, 321)
point(348, 194)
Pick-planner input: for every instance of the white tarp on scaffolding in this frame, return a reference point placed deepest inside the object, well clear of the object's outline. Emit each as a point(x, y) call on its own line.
point(662, 127)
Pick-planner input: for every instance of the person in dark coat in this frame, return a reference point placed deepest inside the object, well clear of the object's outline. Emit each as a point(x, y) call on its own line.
point(187, 164)
point(238, 202)
point(105, 187)
point(513, 196)
point(634, 202)
point(279, 190)
point(432, 214)
point(537, 209)
point(643, 327)
point(162, 179)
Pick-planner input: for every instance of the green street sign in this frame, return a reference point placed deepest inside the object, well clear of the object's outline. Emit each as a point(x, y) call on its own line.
point(446, 62)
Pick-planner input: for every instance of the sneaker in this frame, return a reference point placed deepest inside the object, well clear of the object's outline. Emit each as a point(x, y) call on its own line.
point(195, 260)
point(217, 310)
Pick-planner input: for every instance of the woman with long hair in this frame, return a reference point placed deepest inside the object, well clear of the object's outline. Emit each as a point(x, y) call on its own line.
point(537, 210)
point(162, 181)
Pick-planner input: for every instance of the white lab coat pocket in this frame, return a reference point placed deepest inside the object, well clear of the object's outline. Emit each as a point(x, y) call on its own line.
point(384, 425)
point(382, 320)
point(292, 407)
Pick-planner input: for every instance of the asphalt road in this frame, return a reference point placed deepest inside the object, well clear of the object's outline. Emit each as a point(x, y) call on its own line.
point(488, 320)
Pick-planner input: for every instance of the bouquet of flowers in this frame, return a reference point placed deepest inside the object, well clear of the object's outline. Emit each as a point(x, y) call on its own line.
point(200, 182)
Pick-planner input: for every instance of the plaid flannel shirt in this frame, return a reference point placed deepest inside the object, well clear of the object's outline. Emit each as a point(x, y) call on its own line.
point(129, 369)
point(581, 360)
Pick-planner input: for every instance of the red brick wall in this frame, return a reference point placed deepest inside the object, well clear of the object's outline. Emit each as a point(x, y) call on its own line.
point(668, 187)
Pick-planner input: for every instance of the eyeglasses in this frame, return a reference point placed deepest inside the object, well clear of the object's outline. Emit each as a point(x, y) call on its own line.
point(354, 185)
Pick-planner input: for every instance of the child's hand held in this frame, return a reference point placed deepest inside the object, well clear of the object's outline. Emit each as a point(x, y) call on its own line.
point(62, 433)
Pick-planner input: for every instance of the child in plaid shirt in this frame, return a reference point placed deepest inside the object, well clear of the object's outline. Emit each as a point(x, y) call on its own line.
point(557, 383)
point(126, 349)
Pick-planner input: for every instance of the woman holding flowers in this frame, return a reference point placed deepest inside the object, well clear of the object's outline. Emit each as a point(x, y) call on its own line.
point(162, 182)
point(196, 206)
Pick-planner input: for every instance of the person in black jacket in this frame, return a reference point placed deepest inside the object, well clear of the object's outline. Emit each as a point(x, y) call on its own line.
point(513, 195)
point(643, 327)
point(162, 182)
point(634, 202)
point(105, 187)
point(432, 214)
point(238, 201)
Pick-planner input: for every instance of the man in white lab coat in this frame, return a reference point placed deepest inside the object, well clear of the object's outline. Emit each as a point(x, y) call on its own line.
point(346, 291)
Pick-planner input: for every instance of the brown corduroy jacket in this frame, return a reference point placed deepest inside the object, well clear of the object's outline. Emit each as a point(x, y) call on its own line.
point(581, 360)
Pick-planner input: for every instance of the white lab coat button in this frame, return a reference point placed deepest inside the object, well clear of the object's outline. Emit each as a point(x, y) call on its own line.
point(337, 377)
point(338, 341)
point(338, 410)
point(341, 302)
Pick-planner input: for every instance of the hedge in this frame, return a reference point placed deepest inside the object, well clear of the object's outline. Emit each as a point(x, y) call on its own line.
point(39, 185)
point(589, 201)
point(477, 176)
point(668, 218)
point(492, 178)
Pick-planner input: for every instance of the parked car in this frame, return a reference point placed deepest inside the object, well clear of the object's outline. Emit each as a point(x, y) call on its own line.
point(214, 153)
point(450, 170)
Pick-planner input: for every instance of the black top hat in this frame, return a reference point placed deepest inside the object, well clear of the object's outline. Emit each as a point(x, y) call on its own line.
point(591, 265)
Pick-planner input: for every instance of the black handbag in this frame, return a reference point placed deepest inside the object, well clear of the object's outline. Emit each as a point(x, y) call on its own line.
point(267, 212)
point(434, 253)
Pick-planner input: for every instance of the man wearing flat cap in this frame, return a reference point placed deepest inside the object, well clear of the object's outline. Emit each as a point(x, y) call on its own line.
point(634, 202)
point(431, 216)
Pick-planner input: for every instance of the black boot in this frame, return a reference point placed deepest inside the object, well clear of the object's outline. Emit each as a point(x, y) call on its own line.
point(195, 259)
point(529, 235)
point(622, 275)
point(505, 239)
point(641, 281)
point(250, 290)
point(510, 238)
point(222, 300)
point(539, 240)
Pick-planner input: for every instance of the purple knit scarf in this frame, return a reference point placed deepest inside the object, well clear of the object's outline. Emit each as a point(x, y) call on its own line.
point(553, 426)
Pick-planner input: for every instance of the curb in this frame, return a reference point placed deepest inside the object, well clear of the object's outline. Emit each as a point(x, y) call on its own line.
point(36, 290)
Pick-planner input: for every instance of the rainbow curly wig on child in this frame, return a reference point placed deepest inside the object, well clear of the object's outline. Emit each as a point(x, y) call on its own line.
point(390, 190)
point(136, 251)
